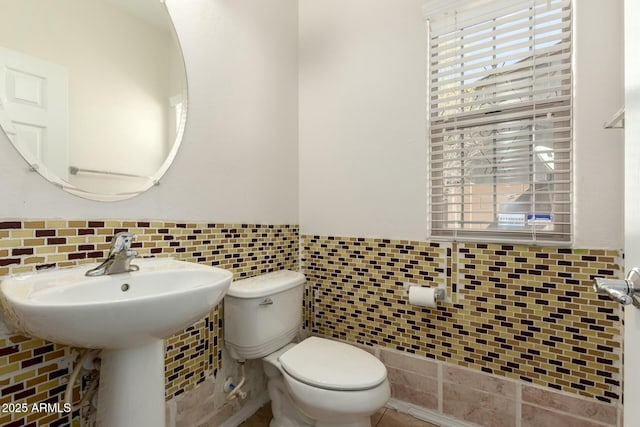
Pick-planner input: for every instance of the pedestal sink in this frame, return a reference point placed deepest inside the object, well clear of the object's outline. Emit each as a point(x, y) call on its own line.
point(128, 315)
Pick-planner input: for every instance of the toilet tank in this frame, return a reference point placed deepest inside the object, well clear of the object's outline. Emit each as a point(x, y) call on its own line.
point(262, 313)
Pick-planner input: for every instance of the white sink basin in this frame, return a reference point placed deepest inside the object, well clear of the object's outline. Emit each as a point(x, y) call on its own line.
point(127, 315)
point(114, 311)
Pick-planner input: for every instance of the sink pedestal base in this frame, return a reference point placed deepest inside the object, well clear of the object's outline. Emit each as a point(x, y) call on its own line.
point(131, 392)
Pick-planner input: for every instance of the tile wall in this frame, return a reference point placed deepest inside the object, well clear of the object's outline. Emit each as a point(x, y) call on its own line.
point(517, 316)
point(34, 371)
point(451, 395)
point(523, 313)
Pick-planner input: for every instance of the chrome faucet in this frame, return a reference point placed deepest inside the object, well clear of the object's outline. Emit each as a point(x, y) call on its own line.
point(119, 259)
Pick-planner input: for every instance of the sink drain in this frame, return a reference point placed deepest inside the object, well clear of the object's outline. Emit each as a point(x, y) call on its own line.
point(125, 287)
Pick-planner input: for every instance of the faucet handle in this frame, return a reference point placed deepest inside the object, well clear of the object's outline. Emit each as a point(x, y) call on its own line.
point(121, 242)
point(624, 291)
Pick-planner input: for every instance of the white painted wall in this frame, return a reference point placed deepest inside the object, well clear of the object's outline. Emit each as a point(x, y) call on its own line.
point(238, 161)
point(363, 154)
point(599, 153)
point(632, 208)
point(363, 118)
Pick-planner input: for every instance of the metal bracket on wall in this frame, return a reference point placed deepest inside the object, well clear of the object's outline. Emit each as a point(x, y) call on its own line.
point(616, 121)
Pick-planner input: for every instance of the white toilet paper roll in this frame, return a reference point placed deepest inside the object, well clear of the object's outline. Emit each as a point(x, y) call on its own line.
point(422, 296)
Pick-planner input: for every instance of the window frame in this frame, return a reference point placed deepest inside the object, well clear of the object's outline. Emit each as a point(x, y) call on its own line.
point(562, 233)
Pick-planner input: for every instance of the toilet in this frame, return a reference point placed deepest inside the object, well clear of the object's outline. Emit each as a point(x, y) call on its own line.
point(317, 382)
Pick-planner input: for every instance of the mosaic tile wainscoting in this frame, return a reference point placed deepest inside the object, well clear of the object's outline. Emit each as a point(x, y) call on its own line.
point(520, 318)
point(35, 371)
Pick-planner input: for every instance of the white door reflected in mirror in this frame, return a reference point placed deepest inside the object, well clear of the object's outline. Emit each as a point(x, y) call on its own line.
point(92, 92)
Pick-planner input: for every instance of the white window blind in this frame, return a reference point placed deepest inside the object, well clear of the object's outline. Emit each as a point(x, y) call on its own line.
point(500, 119)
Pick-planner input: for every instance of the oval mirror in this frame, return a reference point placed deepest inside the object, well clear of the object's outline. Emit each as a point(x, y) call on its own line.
point(93, 93)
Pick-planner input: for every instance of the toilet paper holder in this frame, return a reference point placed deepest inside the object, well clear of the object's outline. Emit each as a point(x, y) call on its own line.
point(440, 294)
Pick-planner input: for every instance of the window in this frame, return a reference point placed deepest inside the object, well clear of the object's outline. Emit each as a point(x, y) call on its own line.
point(500, 119)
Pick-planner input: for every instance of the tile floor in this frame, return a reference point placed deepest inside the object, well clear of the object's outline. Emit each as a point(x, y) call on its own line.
point(383, 418)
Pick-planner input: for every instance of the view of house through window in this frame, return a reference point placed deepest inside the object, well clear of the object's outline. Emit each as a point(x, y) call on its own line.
point(500, 120)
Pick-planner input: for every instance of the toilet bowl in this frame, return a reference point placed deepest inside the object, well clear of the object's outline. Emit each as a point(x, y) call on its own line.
point(334, 383)
point(317, 382)
point(352, 408)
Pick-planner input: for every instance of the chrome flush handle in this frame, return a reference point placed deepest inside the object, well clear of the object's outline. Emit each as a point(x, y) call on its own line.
point(622, 290)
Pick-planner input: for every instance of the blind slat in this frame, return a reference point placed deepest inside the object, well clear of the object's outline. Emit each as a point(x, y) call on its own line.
point(459, 19)
point(444, 186)
point(521, 71)
point(446, 147)
point(510, 98)
point(525, 20)
point(525, 110)
point(488, 89)
point(511, 168)
point(453, 134)
point(478, 70)
point(531, 41)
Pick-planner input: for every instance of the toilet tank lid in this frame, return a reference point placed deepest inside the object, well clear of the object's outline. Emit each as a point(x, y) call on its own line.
point(266, 284)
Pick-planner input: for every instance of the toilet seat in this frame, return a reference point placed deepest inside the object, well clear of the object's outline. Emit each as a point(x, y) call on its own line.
point(332, 365)
point(337, 407)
